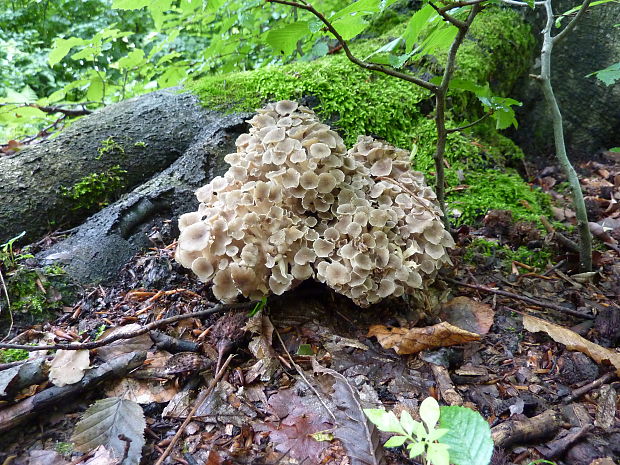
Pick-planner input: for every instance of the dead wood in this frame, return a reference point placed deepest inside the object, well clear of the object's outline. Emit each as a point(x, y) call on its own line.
point(46, 400)
point(521, 430)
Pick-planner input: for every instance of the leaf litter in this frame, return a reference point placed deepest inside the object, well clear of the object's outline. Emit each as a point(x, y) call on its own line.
point(511, 360)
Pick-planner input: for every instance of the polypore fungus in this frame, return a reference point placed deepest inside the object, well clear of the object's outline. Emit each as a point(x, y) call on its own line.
point(295, 204)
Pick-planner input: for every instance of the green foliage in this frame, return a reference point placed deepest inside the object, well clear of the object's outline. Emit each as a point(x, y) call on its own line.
point(609, 75)
point(109, 145)
point(258, 307)
point(420, 440)
point(12, 355)
point(468, 436)
point(95, 189)
point(463, 438)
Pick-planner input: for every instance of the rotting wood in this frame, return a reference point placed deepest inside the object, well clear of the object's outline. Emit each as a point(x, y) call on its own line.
point(445, 385)
point(525, 430)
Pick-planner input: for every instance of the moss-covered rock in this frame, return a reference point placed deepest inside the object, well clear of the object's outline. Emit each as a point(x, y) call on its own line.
point(356, 101)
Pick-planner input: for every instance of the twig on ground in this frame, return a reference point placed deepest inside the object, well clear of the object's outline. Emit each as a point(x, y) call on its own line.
point(529, 300)
point(129, 334)
point(201, 398)
point(8, 306)
point(303, 376)
point(590, 386)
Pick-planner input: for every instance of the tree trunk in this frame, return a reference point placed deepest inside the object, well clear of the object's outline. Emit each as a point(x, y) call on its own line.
point(144, 136)
point(591, 110)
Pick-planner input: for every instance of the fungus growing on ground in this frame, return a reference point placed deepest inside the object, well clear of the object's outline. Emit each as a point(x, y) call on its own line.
point(295, 204)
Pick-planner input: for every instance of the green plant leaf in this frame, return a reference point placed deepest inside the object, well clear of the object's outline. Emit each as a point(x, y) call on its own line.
point(609, 75)
point(132, 59)
point(416, 448)
point(420, 20)
point(385, 421)
point(469, 436)
point(408, 423)
point(130, 4)
point(437, 454)
point(62, 47)
point(615, 149)
point(429, 412)
point(284, 40)
point(395, 441)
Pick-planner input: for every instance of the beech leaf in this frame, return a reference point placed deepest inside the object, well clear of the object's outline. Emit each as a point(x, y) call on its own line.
point(104, 421)
point(468, 436)
point(414, 340)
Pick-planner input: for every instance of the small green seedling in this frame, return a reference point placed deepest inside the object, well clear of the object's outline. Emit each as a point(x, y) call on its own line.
point(258, 307)
point(421, 440)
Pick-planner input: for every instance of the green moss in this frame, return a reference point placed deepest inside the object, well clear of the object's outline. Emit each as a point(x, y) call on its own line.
point(490, 190)
point(95, 189)
point(109, 145)
point(12, 355)
point(356, 101)
point(498, 50)
point(64, 448)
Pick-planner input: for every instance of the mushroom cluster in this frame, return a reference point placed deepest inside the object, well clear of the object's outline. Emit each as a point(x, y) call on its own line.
point(295, 204)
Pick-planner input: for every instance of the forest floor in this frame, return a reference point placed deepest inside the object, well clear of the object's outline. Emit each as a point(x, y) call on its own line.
point(542, 399)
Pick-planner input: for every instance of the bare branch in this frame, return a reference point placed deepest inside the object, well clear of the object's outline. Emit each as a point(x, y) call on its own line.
point(485, 116)
point(347, 51)
point(49, 109)
point(129, 334)
point(451, 19)
point(569, 27)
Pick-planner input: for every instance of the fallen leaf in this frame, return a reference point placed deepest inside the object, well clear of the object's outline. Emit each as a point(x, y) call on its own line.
point(124, 346)
point(359, 436)
point(142, 391)
point(69, 366)
point(467, 314)
point(261, 347)
point(299, 421)
point(572, 341)
point(102, 457)
point(411, 341)
point(105, 421)
point(45, 457)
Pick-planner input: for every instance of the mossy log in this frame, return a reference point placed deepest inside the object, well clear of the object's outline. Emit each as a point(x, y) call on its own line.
point(132, 140)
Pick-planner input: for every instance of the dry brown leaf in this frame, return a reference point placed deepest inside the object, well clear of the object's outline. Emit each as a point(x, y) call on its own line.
point(414, 340)
point(124, 346)
point(468, 314)
point(69, 366)
point(572, 341)
point(142, 391)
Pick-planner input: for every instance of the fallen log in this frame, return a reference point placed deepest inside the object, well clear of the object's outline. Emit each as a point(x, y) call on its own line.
point(140, 136)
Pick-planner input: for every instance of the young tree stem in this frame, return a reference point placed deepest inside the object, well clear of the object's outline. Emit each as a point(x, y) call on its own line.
point(585, 238)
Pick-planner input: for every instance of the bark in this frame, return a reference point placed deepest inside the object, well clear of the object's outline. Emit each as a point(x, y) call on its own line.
point(162, 124)
point(107, 240)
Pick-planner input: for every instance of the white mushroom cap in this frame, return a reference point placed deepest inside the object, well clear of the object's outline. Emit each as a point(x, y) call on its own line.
point(326, 183)
point(203, 269)
point(188, 219)
point(224, 288)
point(309, 180)
point(323, 248)
point(336, 273)
point(186, 258)
point(274, 136)
point(319, 150)
point(286, 107)
point(195, 237)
